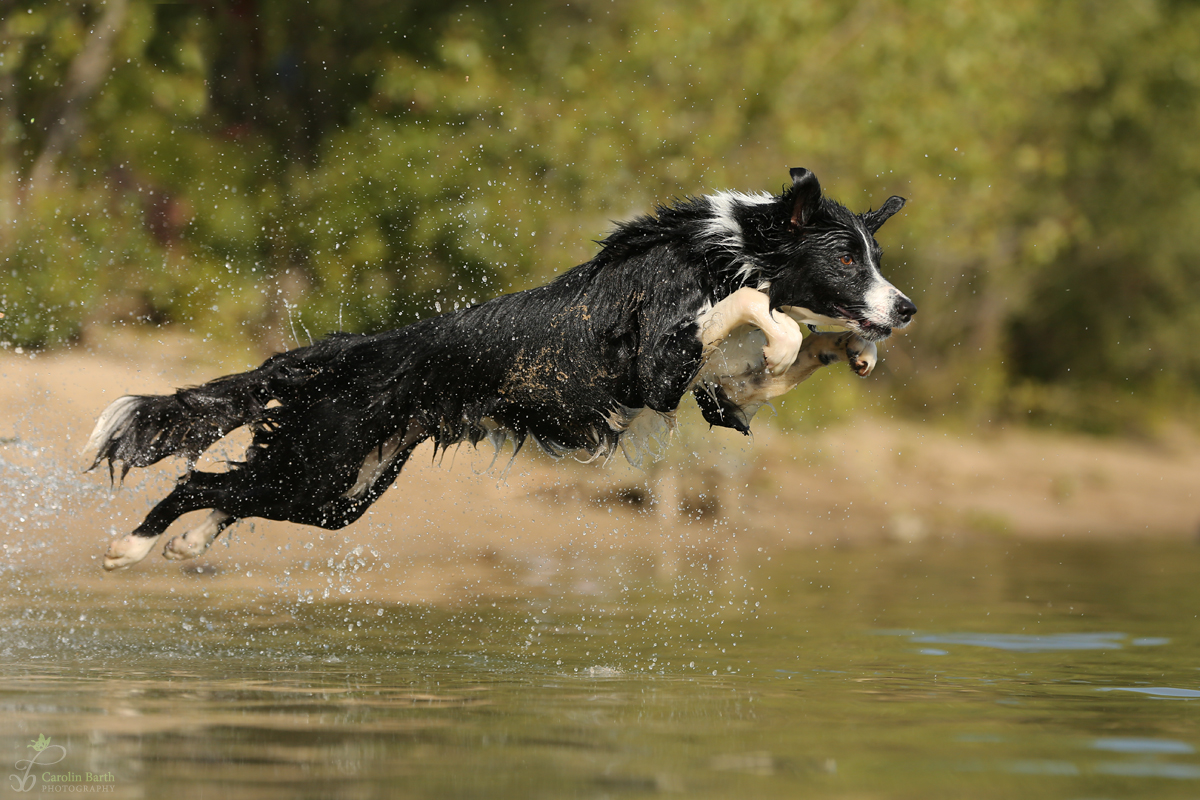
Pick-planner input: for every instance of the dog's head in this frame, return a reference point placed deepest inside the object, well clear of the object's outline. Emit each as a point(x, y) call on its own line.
point(827, 262)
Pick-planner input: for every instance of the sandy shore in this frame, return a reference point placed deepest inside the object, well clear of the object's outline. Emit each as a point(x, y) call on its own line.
point(455, 529)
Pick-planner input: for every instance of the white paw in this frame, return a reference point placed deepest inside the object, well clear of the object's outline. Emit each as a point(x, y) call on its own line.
point(182, 547)
point(862, 355)
point(127, 549)
point(783, 344)
point(195, 541)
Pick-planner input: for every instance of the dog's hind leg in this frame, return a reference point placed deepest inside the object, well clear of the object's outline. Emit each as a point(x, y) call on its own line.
point(128, 549)
point(187, 496)
point(378, 471)
point(195, 541)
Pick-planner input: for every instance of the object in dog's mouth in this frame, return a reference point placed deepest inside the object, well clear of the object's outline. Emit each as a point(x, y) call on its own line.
point(706, 295)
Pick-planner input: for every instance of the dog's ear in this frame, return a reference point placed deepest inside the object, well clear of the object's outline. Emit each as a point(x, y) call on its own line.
point(806, 197)
point(874, 219)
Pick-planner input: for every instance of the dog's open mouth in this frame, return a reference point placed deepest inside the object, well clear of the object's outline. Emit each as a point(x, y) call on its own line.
point(871, 331)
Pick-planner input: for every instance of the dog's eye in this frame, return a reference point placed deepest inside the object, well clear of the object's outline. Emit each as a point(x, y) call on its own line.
point(847, 260)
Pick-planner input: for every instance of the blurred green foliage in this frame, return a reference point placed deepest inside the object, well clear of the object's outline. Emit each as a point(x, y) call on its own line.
point(241, 166)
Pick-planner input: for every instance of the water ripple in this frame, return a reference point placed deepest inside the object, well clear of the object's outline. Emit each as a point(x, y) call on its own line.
point(1154, 691)
point(1022, 643)
point(1140, 745)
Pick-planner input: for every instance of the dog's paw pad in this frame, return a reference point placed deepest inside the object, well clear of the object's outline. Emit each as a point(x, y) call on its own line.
point(127, 549)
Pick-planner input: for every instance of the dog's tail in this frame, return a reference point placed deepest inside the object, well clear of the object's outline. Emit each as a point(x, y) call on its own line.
point(140, 430)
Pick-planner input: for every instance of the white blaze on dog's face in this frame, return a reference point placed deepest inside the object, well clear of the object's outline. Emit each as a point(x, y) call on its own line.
point(883, 306)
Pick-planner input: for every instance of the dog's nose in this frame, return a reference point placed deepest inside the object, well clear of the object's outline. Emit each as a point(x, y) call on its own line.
point(906, 309)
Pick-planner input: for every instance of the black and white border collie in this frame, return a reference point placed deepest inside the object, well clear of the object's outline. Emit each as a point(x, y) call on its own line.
point(707, 295)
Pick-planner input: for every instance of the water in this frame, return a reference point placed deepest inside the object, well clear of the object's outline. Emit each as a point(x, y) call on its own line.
point(996, 669)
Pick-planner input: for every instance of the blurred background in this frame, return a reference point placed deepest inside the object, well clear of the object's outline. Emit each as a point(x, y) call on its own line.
point(948, 585)
point(260, 171)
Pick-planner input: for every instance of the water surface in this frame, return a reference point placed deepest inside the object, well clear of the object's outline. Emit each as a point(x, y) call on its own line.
point(996, 669)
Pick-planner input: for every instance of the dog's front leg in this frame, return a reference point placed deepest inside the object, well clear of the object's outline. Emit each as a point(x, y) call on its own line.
point(823, 349)
point(819, 350)
point(751, 307)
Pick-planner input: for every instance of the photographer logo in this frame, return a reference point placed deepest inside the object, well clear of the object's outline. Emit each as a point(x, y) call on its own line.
point(33, 768)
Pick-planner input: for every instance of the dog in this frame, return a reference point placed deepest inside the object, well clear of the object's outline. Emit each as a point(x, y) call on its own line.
point(705, 295)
